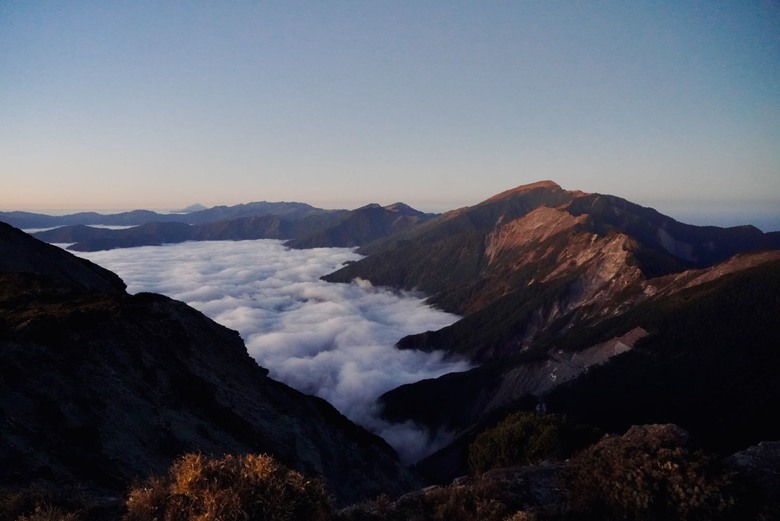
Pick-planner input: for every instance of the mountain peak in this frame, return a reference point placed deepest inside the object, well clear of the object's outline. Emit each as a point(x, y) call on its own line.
point(403, 209)
point(546, 184)
point(197, 207)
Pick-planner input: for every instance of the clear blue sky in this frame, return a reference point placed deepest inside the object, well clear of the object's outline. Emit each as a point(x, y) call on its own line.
point(110, 104)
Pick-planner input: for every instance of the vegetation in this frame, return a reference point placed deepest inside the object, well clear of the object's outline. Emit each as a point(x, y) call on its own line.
point(526, 438)
point(478, 498)
point(648, 479)
point(38, 503)
point(251, 487)
point(645, 475)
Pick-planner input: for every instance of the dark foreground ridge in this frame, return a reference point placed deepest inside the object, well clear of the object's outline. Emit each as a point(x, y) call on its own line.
point(99, 388)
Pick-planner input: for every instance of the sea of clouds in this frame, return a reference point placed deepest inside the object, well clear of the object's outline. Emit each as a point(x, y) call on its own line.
point(335, 341)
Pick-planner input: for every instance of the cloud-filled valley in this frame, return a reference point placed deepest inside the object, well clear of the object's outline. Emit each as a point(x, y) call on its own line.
point(335, 341)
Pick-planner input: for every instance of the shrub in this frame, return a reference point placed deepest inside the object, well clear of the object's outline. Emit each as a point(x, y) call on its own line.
point(49, 513)
point(474, 499)
point(41, 503)
point(525, 438)
point(459, 503)
point(247, 487)
point(648, 479)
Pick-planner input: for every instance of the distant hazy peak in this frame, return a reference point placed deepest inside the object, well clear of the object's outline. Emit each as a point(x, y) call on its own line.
point(197, 207)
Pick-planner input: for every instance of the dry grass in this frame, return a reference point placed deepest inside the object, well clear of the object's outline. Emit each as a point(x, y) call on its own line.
point(231, 488)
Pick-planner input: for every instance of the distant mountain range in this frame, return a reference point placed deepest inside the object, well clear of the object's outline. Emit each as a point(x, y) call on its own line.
point(300, 225)
point(192, 215)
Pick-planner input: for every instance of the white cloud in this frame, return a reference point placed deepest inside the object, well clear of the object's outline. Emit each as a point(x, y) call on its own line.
point(332, 340)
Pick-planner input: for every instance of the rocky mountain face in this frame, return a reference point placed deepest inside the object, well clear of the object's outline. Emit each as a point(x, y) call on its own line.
point(537, 235)
point(607, 311)
point(99, 387)
point(324, 228)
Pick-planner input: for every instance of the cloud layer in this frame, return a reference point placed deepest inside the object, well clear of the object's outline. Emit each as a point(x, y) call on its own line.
point(332, 340)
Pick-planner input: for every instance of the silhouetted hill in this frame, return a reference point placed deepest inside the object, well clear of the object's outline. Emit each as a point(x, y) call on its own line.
point(24, 256)
point(99, 387)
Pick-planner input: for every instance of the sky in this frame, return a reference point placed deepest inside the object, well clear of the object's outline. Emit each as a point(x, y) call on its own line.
point(335, 341)
point(439, 104)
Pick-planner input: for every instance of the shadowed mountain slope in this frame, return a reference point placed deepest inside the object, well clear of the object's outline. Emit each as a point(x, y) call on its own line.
point(718, 312)
point(99, 387)
point(708, 362)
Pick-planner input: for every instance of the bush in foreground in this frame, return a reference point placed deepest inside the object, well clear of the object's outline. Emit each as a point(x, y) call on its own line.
point(247, 487)
point(41, 503)
point(647, 475)
point(525, 438)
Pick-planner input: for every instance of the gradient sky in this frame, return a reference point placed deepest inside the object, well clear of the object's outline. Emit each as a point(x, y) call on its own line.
point(118, 105)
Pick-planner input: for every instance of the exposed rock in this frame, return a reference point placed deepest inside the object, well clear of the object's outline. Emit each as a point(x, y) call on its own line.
point(761, 464)
point(661, 435)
